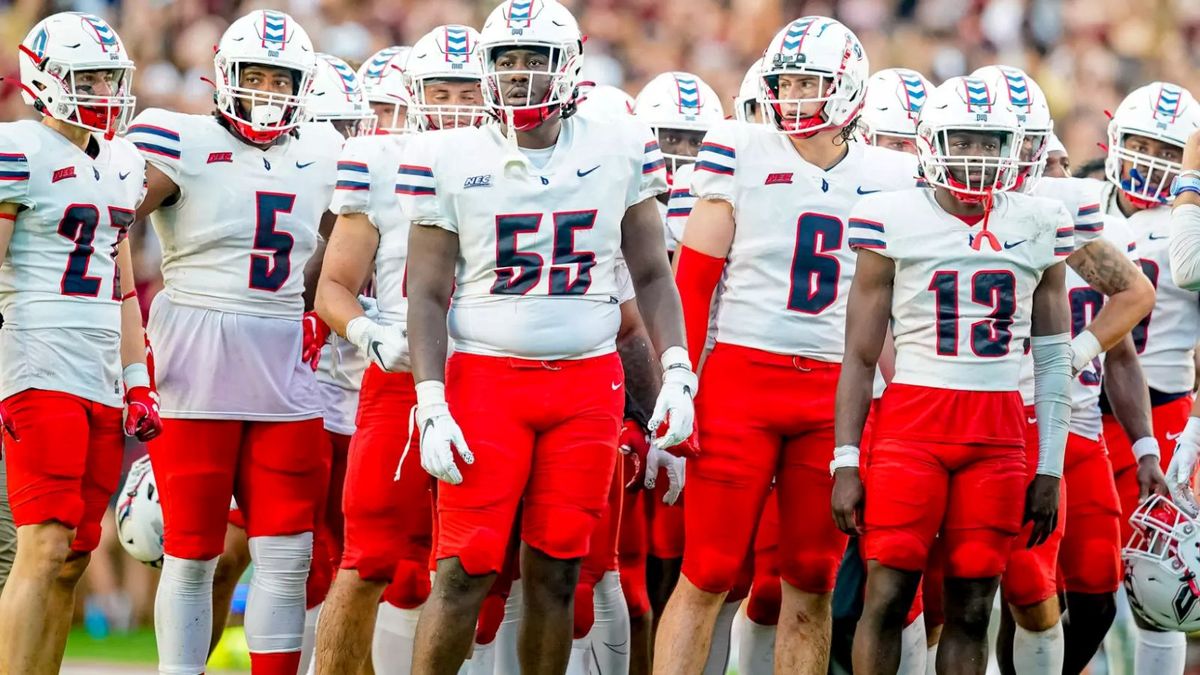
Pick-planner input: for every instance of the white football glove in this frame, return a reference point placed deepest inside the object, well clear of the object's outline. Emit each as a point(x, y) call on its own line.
point(385, 346)
point(1183, 467)
point(440, 435)
point(674, 405)
point(676, 468)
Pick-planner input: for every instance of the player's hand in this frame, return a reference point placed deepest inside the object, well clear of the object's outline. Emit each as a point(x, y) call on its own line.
point(440, 439)
point(1041, 508)
point(675, 468)
point(847, 500)
point(370, 307)
point(634, 444)
point(674, 406)
point(141, 414)
point(1178, 480)
point(690, 447)
point(1191, 153)
point(316, 334)
point(385, 346)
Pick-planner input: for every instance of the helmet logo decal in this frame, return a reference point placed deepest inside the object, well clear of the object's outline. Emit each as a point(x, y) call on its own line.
point(39, 43)
point(689, 95)
point(274, 30)
point(458, 44)
point(1166, 109)
point(1018, 91)
point(796, 34)
point(104, 34)
point(914, 92)
point(979, 100)
point(375, 69)
point(347, 76)
point(520, 11)
point(1185, 599)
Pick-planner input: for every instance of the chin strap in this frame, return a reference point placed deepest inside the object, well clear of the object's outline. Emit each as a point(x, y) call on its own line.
point(988, 200)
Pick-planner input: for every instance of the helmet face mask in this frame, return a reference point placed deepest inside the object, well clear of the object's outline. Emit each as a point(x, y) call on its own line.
point(679, 146)
point(1162, 564)
point(74, 68)
point(382, 78)
point(1146, 168)
point(254, 95)
point(1145, 138)
point(894, 142)
point(443, 76)
point(446, 104)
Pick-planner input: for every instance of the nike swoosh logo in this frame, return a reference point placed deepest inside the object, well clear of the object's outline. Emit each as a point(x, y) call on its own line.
point(618, 648)
point(1013, 245)
point(1171, 436)
point(867, 192)
point(123, 176)
point(374, 348)
point(616, 386)
point(1031, 420)
point(1154, 238)
point(304, 165)
point(581, 174)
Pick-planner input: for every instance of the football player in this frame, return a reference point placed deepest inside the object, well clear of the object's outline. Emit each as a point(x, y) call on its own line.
point(524, 237)
point(386, 93)
point(951, 419)
point(388, 510)
point(1146, 138)
point(745, 104)
point(778, 323)
point(894, 99)
point(1032, 637)
point(72, 349)
point(237, 198)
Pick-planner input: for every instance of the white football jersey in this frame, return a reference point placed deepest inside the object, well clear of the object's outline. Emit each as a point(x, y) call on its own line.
point(960, 316)
point(368, 173)
point(789, 267)
point(1166, 338)
point(1086, 303)
point(246, 222)
point(535, 276)
point(59, 289)
point(339, 378)
point(680, 204)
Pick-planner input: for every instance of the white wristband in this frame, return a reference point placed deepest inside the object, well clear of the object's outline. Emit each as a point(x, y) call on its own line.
point(430, 392)
point(844, 457)
point(675, 357)
point(357, 327)
point(135, 375)
point(1084, 348)
point(1146, 446)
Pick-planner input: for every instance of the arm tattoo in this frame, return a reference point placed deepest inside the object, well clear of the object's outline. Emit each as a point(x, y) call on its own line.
point(641, 376)
point(1104, 267)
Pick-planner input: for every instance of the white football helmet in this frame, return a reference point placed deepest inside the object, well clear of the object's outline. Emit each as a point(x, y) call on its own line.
point(604, 100)
point(814, 45)
point(54, 53)
point(264, 38)
point(894, 100)
point(382, 78)
point(139, 515)
point(745, 104)
point(1027, 99)
point(678, 101)
point(1164, 112)
point(445, 53)
point(337, 97)
point(968, 104)
point(1162, 565)
point(543, 25)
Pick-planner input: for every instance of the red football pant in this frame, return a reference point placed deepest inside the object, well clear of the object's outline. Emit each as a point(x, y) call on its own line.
point(389, 522)
point(67, 464)
point(329, 535)
point(544, 435)
point(601, 557)
point(279, 472)
point(633, 548)
point(1031, 574)
point(1090, 555)
point(971, 494)
point(766, 594)
point(1169, 420)
point(783, 431)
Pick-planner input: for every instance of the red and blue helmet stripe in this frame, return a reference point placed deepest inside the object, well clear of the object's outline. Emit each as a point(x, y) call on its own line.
point(457, 44)
point(520, 11)
point(274, 29)
point(1166, 108)
point(688, 94)
point(979, 99)
point(104, 33)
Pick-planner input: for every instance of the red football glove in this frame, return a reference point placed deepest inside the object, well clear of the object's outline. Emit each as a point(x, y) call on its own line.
point(689, 449)
point(316, 334)
point(141, 414)
point(634, 445)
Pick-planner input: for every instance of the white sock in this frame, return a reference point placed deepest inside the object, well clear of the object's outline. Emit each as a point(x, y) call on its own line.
point(610, 632)
point(913, 649)
point(275, 607)
point(308, 665)
point(482, 661)
point(581, 656)
point(395, 633)
point(756, 647)
point(718, 652)
point(506, 637)
point(183, 615)
point(1161, 653)
point(931, 661)
point(1039, 651)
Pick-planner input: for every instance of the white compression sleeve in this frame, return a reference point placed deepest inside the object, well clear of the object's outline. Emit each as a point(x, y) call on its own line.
point(1040, 651)
point(395, 636)
point(183, 615)
point(610, 631)
point(275, 606)
point(1052, 399)
point(756, 647)
point(1185, 246)
point(913, 650)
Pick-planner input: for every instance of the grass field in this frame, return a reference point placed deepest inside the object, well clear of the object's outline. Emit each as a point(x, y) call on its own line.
point(138, 649)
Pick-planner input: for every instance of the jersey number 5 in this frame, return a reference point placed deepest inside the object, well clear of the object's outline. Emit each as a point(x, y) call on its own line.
point(78, 224)
point(269, 272)
point(517, 271)
point(990, 337)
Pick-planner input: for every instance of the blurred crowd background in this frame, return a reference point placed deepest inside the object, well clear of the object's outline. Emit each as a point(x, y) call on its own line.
point(1086, 54)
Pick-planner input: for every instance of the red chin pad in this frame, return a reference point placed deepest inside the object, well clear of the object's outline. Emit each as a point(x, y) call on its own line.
point(528, 119)
point(1141, 202)
point(100, 117)
point(255, 136)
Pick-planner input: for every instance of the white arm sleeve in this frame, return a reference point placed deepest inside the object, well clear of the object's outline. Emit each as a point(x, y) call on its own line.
point(1185, 246)
point(1052, 399)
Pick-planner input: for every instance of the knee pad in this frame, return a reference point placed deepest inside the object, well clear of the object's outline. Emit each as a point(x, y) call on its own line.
point(409, 587)
point(585, 611)
point(491, 614)
point(276, 607)
point(1028, 580)
point(192, 579)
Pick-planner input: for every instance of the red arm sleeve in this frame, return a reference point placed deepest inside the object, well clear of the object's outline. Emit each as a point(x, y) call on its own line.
point(697, 276)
